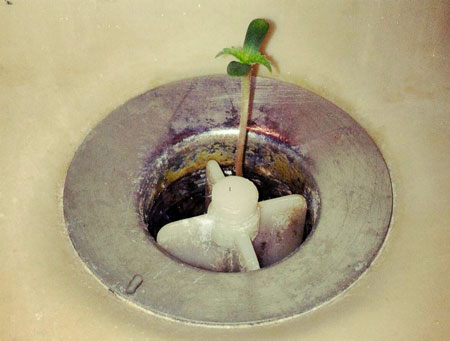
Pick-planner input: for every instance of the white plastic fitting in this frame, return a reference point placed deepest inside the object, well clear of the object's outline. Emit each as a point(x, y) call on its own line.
point(237, 230)
point(235, 214)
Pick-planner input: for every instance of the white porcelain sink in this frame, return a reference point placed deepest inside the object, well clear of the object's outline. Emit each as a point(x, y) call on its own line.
point(65, 65)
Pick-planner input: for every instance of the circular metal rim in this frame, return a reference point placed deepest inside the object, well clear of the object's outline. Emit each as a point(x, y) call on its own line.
point(106, 229)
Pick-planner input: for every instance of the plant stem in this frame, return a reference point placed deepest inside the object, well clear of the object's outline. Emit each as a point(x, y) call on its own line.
point(245, 98)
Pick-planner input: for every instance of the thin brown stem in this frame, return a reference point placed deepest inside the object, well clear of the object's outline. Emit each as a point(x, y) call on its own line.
point(245, 96)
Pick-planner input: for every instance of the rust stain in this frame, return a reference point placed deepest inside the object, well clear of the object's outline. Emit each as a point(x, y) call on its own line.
point(268, 132)
point(198, 163)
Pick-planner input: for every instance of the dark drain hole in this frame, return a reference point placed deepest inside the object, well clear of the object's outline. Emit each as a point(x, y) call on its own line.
point(271, 165)
point(185, 198)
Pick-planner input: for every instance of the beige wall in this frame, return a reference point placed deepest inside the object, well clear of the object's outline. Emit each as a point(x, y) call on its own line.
point(64, 65)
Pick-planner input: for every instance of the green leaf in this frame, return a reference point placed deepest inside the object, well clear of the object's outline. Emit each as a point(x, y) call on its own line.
point(236, 69)
point(236, 52)
point(258, 58)
point(249, 54)
point(256, 32)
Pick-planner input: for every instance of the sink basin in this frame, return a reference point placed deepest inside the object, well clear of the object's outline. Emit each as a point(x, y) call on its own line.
point(65, 66)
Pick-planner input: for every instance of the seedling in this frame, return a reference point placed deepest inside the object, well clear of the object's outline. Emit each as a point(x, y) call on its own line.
point(248, 56)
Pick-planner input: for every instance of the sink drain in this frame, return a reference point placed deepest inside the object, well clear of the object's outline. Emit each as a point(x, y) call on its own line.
point(174, 187)
point(121, 176)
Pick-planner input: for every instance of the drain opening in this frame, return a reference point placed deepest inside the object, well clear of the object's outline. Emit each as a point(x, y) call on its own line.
point(174, 183)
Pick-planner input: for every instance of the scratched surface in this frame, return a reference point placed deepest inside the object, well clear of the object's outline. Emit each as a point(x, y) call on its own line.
point(107, 230)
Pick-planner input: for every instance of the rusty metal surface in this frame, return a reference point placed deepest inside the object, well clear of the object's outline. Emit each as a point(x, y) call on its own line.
point(101, 202)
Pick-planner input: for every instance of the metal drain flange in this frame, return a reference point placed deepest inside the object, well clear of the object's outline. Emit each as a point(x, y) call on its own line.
point(102, 200)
